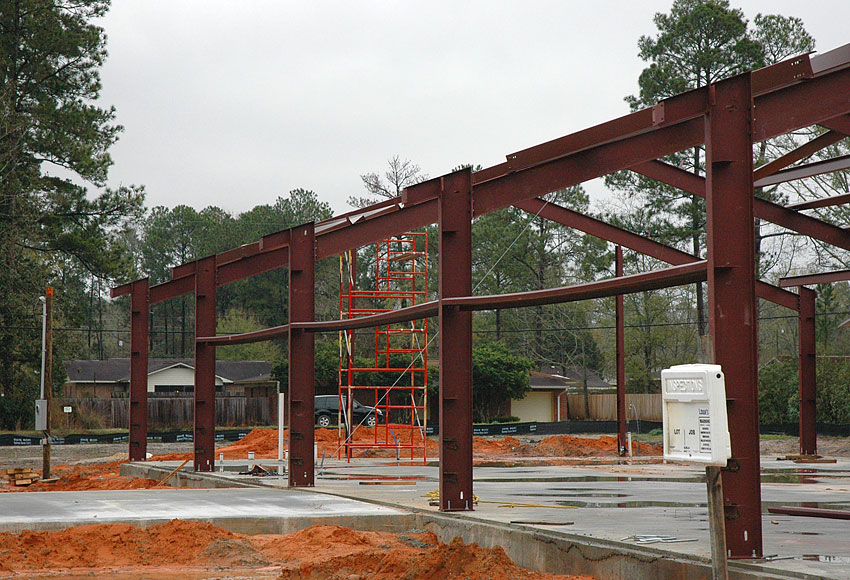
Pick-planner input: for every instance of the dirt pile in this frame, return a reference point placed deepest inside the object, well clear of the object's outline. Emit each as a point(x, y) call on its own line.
point(326, 552)
point(604, 446)
point(88, 477)
point(349, 554)
point(263, 442)
point(108, 545)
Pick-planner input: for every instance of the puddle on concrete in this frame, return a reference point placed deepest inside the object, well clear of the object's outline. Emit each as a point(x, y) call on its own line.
point(533, 463)
point(368, 477)
point(834, 505)
point(631, 504)
point(586, 478)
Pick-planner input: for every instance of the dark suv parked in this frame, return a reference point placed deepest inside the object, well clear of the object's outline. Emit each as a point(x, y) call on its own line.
point(327, 411)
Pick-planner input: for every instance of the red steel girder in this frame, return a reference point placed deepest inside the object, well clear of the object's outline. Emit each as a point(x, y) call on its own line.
point(801, 152)
point(368, 231)
point(455, 280)
point(840, 124)
point(804, 171)
point(172, 289)
point(808, 376)
point(205, 307)
point(620, 358)
point(139, 312)
point(801, 105)
point(573, 219)
point(302, 388)
point(822, 202)
point(585, 165)
point(252, 265)
point(646, 246)
point(763, 209)
point(423, 310)
point(672, 111)
point(822, 278)
point(654, 280)
point(733, 314)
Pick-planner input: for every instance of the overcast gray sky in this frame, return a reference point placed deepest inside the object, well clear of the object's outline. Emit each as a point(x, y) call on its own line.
point(234, 103)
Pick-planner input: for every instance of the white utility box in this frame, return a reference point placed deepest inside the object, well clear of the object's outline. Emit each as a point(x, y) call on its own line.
point(694, 412)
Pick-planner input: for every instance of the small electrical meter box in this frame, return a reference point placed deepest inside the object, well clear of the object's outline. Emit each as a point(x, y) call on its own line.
point(41, 415)
point(694, 412)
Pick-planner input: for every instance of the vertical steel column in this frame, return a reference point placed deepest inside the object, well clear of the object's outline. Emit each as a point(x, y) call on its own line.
point(808, 380)
point(302, 389)
point(621, 362)
point(139, 309)
point(205, 300)
point(455, 279)
point(733, 313)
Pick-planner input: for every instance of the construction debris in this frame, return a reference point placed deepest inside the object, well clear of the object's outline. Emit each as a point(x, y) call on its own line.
point(790, 510)
point(656, 539)
point(257, 470)
point(22, 476)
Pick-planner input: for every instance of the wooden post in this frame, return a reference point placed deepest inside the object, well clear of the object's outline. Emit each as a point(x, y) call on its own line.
point(714, 488)
point(48, 378)
point(716, 522)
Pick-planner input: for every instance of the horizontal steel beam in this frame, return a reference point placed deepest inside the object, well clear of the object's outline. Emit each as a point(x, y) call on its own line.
point(646, 246)
point(804, 171)
point(423, 310)
point(801, 152)
point(807, 279)
point(172, 289)
point(673, 276)
point(822, 202)
point(246, 337)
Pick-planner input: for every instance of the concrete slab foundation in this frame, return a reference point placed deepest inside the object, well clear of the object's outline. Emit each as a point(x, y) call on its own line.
point(564, 519)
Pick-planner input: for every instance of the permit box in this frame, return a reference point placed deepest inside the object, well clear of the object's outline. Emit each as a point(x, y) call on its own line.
point(696, 428)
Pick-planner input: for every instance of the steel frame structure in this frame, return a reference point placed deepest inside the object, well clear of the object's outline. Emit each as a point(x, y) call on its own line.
point(728, 117)
point(401, 279)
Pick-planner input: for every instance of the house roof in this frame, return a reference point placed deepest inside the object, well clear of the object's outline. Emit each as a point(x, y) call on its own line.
point(567, 377)
point(117, 370)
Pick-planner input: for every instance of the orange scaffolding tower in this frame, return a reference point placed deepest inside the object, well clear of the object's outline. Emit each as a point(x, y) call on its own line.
point(390, 374)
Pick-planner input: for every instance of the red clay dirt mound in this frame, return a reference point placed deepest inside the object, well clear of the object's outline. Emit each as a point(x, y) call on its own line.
point(380, 556)
point(87, 477)
point(320, 552)
point(263, 442)
point(606, 445)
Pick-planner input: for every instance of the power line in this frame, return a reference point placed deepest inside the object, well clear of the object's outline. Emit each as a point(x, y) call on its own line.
point(548, 329)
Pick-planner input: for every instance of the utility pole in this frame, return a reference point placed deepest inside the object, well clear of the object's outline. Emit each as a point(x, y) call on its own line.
point(47, 376)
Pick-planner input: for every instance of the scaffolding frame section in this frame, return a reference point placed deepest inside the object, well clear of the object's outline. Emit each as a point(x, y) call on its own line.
point(395, 384)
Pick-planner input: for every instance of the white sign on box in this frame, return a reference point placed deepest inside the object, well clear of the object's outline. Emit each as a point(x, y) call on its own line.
point(694, 412)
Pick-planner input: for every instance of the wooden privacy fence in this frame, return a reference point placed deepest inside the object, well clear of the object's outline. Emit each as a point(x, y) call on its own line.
point(604, 407)
point(173, 412)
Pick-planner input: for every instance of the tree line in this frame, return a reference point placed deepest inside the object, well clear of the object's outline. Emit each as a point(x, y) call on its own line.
point(61, 225)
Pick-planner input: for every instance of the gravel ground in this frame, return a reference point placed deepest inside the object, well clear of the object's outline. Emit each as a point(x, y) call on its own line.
point(30, 455)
